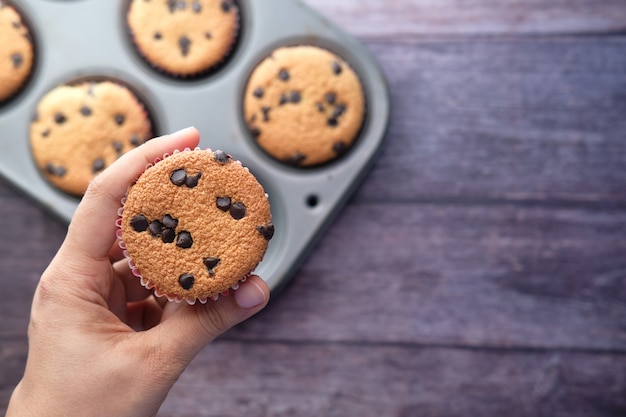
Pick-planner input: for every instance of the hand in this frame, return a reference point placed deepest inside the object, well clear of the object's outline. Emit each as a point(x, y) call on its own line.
point(99, 343)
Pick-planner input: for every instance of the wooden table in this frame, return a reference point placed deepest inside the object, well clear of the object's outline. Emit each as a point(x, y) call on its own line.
point(480, 269)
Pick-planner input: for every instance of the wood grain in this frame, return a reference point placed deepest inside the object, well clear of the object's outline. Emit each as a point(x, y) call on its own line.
point(403, 381)
point(502, 276)
point(516, 120)
point(30, 238)
point(404, 18)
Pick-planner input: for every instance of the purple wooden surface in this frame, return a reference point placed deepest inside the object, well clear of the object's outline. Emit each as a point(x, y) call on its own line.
point(478, 270)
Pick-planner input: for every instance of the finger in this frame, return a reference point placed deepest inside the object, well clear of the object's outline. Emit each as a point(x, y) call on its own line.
point(144, 315)
point(92, 231)
point(191, 328)
point(116, 253)
point(132, 286)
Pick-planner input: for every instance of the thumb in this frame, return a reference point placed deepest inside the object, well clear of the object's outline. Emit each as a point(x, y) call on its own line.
point(191, 327)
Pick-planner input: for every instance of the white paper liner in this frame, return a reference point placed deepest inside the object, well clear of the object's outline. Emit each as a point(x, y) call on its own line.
point(149, 285)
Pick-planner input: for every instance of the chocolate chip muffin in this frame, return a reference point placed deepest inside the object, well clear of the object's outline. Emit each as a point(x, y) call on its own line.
point(194, 225)
point(79, 130)
point(304, 105)
point(184, 37)
point(16, 52)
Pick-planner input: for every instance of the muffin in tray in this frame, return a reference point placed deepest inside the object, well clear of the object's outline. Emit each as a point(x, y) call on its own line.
point(194, 225)
point(184, 38)
point(78, 130)
point(16, 52)
point(304, 105)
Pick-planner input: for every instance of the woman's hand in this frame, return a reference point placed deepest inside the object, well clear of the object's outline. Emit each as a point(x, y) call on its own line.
point(99, 343)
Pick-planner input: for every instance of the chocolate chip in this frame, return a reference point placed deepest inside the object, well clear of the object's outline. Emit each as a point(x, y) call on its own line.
point(56, 170)
point(336, 67)
point(258, 92)
point(210, 264)
point(223, 203)
point(221, 157)
point(192, 180)
point(17, 60)
point(168, 235)
point(186, 281)
point(155, 228)
point(60, 118)
point(320, 107)
point(267, 231)
point(332, 122)
point(340, 147)
point(139, 223)
point(118, 146)
point(158, 36)
point(296, 159)
point(85, 111)
point(339, 110)
point(255, 132)
point(45, 133)
point(178, 177)
point(196, 7)
point(283, 99)
point(98, 165)
point(266, 113)
point(135, 141)
point(169, 222)
point(283, 75)
point(208, 35)
point(120, 119)
point(171, 4)
point(295, 97)
point(184, 240)
point(226, 6)
point(238, 211)
point(184, 43)
point(330, 98)
point(252, 118)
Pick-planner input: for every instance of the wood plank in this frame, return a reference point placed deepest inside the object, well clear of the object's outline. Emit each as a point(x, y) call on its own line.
point(403, 18)
point(501, 276)
point(277, 379)
point(519, 120)
point(30, 238)
point(237, 379)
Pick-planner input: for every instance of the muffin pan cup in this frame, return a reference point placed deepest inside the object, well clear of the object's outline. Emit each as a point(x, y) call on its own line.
point(89, 39)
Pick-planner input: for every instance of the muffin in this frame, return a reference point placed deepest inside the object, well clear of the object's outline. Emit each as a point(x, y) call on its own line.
point(16, 52)
point(304, 105)
point(79, 130)
point(194, 225)
point(184, 37)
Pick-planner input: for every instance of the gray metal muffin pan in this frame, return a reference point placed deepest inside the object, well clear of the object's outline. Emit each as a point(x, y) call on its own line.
point(88, 39)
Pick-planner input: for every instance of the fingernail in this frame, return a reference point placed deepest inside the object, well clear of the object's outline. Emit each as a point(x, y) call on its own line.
point(249, 295)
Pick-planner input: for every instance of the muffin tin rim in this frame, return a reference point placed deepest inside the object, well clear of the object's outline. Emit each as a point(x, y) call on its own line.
point(335, 182)
point(295, 41)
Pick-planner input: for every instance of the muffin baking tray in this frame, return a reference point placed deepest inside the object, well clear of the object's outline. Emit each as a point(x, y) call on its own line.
point(88, 39)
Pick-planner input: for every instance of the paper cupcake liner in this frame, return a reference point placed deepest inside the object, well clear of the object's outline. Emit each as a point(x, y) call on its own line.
point(145, 282)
